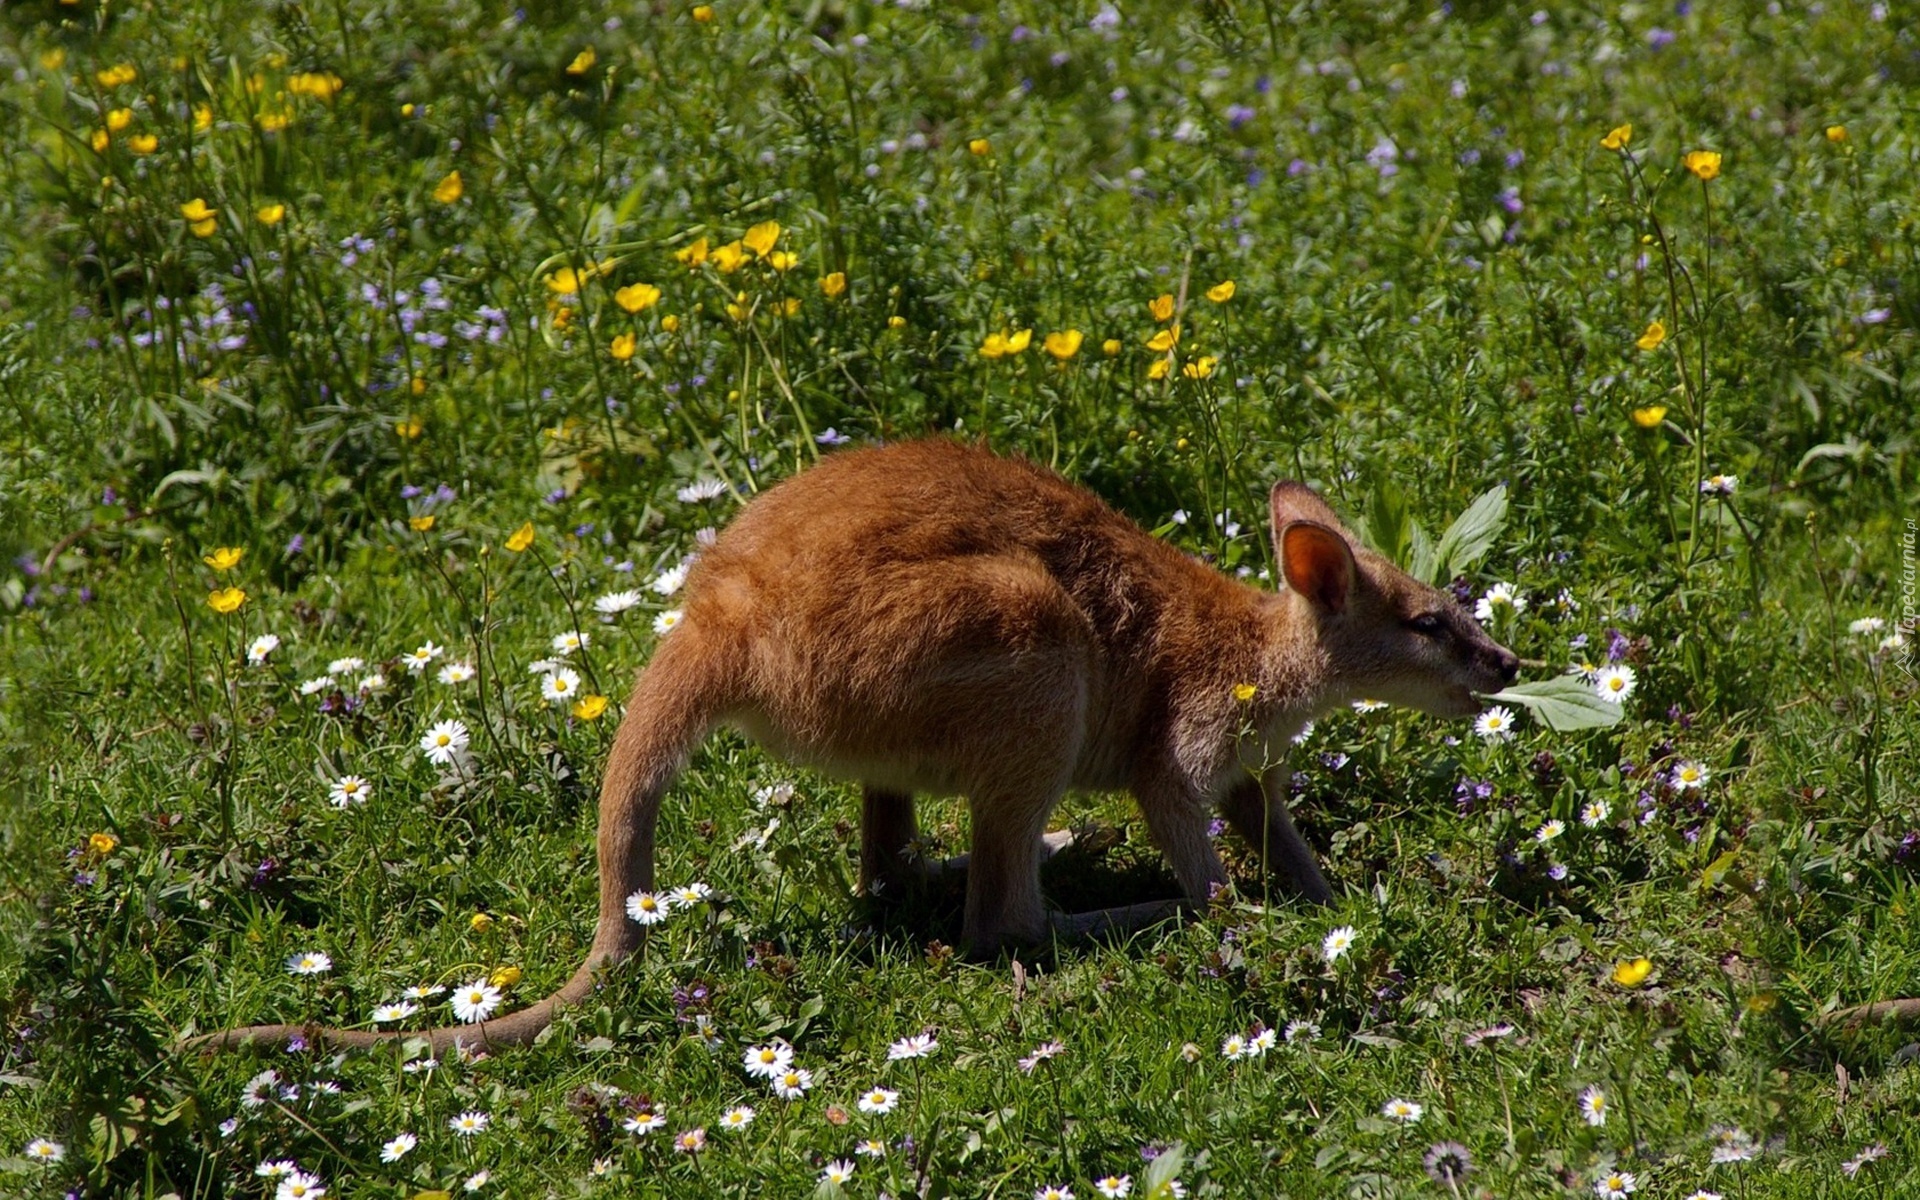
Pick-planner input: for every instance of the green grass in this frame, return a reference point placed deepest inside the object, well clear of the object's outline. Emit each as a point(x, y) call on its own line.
point(1439, 278)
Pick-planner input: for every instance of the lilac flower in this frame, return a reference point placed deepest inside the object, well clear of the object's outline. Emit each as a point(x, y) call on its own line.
point(1660, 39)
point(1238, 115)
point(831, 437)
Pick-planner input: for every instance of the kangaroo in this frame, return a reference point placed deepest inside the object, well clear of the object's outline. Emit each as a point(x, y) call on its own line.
point(929, 618)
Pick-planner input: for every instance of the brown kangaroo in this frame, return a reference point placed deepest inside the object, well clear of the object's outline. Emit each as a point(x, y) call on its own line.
point(928, 617)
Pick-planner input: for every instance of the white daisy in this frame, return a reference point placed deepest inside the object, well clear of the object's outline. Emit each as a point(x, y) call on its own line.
point(918, 1045)
point(1614, 683)
point(420, 659)
point(1586, 670)
point(349, 789)
point(1549, 830)
point(669, 581)
point(1053, 1191)
point(644, 1123)
point(1262, 1042)
point(1615, 1183)
point(1865, 625)
point(1404, 1111)
point(1301, 1031)
point(388, 1013)
point(260, 1090)
point(767, 1061)
point(691, 894)
point(278, 1168)
point(396, 1149)
point(300, 1186)
point(1593, 814)
point(792, 1083)
point(1114, 1187)
point(375, 682)
point(665, 622)
point(1365, 706)
point(561, 686)
point(837, 1172)
point(456, 673)
point(45, 1150)
point(345, 666)
point(701, 489)
point(309, 962)
point(1337, 943)
point(1593, 1106)
point(1495, 724)
point(650, 908)
point(1688, 775)
point(1892, 642)
point(1233, 1048)
point(319, 683)
point(1499, 598)
point(738, 1117)
point(423, 991)
point(469, 1123)
point(475, 1001)
point(1720, 485)
point(574, 639)
point(871, 1148)
point(260, 647)
point(879, 1101)
point(445, 743)
point(477, 1180)
point(614, 603)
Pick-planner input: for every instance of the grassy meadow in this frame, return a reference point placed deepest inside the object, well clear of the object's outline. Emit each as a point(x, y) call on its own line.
point(370, 367)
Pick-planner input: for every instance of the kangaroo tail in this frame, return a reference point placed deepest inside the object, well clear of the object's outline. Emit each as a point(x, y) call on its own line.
point(675, 703)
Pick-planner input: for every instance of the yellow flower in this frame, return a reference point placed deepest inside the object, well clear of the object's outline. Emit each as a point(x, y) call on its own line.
point(480, 922)
point(995, 346)
point(417, 386)
point(1650, 416)
point(623, 346)
point(421, 523)
point(637, 297)
point(1165, 340)
point(1200, 367)
point(582, 62)
point(589, 708)
point(692, 255)
point(116, 75)
point(274, 122)
point(1110, 347)
point(270, 214)
point(100, 139)
point(102, 844)
point(1161, 306)
point(896, 322)
point(504, 977)
point(729, 257)
point(1836, 133)
point(1244, 692)
point(670, 323)
point(1019, 341)
point(410, 428)
point(761, 237)
point(226, 600)
point(1064, 344)
point(1632, 973)
point(566, 281)
point(1157, 369)
point(1221, 292)
point(1704, 163)
point(1651, 339)
point(450, 189)
point(834, 285)
point(703, 13)
point(520, 538)
point(143, 143)
point(737, 307)
point(224, 558)
point(782, 260)
point(202, 117)
point(54, 59)
point(321, 85)
point(118, 119)
point(196, 210)
point(980, 147)
point(787, 308)
point(202, 229)
point(1618, 137)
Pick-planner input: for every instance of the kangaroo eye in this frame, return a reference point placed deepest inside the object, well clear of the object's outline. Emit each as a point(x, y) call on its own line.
point(1426, 623)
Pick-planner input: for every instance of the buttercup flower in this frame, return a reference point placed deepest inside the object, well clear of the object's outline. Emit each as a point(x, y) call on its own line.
point(1221, 292)
point(1650, 416)
point(1064, 344)
point(1618, 137)
point(449, 189)
point(1632, 972)
point(1651, 339)
point(1704, 163)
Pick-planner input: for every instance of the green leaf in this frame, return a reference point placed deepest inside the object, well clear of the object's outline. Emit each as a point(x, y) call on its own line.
point(1386, 524)
point(1562, 704)
point(1471, 535)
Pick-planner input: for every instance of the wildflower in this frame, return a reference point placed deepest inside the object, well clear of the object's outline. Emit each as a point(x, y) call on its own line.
point(738, 1117)
point(449, 189)
point(1041, 1053)
point(1616, 1183)
point(423, 991)
point(1593, 1106)
point(693, 254)
point(728, 258)
point(1688, 775)
point(1300, 1031)
point(792, 1083)
point(260, 1090)
point(615, 603)
point(260, 647)
point(1632, 972)
point(477, 1180)
point(623, 346)
point(1337, 943)
point(100, 139)
point(665, 622)
point(979, 147)
point(1704, 163)
point(669, 581)
point(1200, 368)
point(386, 1014)
point(101, 844)
point(761, 238)
point(469, 1123)
point(1614, 684)
point(833, 285)
point(691, 894)
point(410, 428)
point(879, 1101)
point(1703, 1194)
point(1872, 1153)
point(644, 1123)
point(454, 673)
point(310, 962)
point(589, 707)
point(1594, 813)
point(561, 686)
point(1549, 830)
point(1501, 597)
point(649, 908)
point(116, 75)
point(44, 1150)
point(574, 639)
point(349, 789)
point(1164, 340)
point(691, 1141)
point(1114, 1187)
point(1221, 292)
point(396, 1149)
point(1866, 625)
point(1064, 344)
point(837, 1172)
point(871, 1148)
point(421, 523)
point(224, 558)
point(1243, 692)
point(226, 600)
point(300, 1186)
point(445, 743)
point(1447, 1163)
point(1495, 724)
point(320, 85)
point(1651, 339)
point(1367, 706)
point(582, 62)
point(475, 1001)
point(1404, 1111)
point(702, 13)
point(1617, 137)
point(1003, 344)
point(1158, 370)
point(1650, 416)
point(1233, 1048)
point(917, 1045)
point(1110, 347)
point(701, 490)
point(1719, 485)
point(1053, 1191)
point(319, 683)
point(1161, 306)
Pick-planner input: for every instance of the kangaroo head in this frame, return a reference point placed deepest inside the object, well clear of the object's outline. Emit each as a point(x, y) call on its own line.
point(1382, 633)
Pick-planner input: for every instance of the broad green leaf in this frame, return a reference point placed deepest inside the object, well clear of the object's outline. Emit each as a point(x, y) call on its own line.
point(1562, 704)
point(1471, 535)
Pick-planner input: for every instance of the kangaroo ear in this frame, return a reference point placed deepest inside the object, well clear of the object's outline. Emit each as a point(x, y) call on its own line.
point(1290, 501)
point(1317, 563)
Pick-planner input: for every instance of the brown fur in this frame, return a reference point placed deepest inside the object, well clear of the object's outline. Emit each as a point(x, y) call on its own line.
point(930, 618)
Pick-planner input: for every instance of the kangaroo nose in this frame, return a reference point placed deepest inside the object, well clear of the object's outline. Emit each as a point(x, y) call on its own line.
point(1509, 666)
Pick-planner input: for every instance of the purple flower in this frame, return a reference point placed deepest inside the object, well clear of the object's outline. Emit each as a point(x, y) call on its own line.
point(1297, 168)
point(1238, 115)
point(556, 495)
point(296, 544)
point(1660, 38)
point(1515, 158)
point(1509, 199)
point(831, 437)
point(1020, 34)
point(1470, 157)
point(1617, 645)
point(409, 491)
point(1216, 827)
point(1874, 316)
